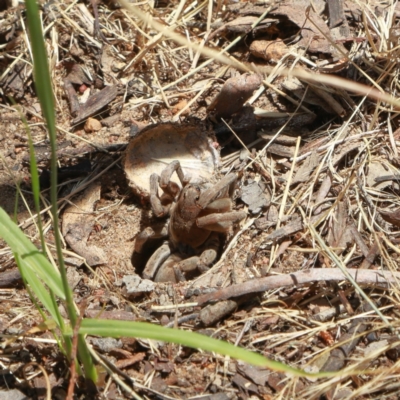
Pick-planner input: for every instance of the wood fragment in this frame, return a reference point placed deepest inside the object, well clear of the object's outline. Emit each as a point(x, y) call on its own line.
point(78, 224)
point(214, 312)
point(234, 93)
point(359, 240)
point(336, 13)
point(363, 277)
point(373, 252)
point(72, 97)
point(332, 104)
point(95, 103)
point(339, 355)
point(9, 278)
point(392, 217)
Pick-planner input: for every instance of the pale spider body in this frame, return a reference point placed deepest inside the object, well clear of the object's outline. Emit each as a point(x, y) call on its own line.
point(198, 213)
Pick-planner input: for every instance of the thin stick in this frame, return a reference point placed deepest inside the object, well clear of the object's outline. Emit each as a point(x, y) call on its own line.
point(364, 277)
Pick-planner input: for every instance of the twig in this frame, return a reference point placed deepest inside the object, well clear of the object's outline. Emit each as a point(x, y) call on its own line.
point(363, 277)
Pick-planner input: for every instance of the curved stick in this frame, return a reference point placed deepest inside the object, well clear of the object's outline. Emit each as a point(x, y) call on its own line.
point(362, 276)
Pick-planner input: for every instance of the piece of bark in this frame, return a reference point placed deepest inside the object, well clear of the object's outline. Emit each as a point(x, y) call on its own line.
point(136, 286)
point(127, 362)
point(243, 25)
point(272, 51)
point(336, 13)
point(306, 169)
point(78, 224)
point(72, 97)
point(395, 178)
point(258, 375)
point(373, 252)
point(246, 124)
point(211, 314)
point(339, 355)
point(322, 193)
point(362, 277)
point(111, 121)
point(244, 384)
point(9, 278)
point(114, 315)
point(234, 93)
point(280, 139)
point(332, 105)
point(12, 394)
point(338, 24)
point(359, 240)
point(340, 234)
point(280, 150)
point(315, 34)
point(95, 103)
point(393, 217)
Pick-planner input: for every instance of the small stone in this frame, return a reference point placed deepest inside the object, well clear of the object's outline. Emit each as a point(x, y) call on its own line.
point(253, 195)
point(13, 394)
point(92, 125)
point(107, 344)
point(135, 285)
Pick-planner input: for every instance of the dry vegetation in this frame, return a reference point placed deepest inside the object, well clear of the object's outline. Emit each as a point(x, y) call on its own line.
point(318, 163)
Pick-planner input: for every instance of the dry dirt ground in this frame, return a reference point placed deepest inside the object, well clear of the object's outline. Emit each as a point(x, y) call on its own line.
point(326, 201)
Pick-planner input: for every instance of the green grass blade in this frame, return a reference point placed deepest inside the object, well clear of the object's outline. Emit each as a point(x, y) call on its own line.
point(44, 91)
point(30, 257)
point(107, 328)
point(43, 86)
point(38, 288)
point(34, 177)
point(45, 94)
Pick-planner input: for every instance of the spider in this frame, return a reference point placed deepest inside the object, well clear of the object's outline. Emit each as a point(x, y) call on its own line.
point(198, 213)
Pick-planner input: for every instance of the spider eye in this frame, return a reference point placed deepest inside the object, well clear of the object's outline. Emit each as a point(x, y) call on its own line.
point(197, 198)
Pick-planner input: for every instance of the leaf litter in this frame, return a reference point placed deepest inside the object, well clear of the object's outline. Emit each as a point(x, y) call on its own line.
point(276, 288)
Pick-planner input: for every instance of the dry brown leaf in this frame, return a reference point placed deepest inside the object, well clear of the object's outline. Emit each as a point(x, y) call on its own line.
point(314, 31)
point(340, 234)
point(272, 51)
point(78, 223)
point(375, 170)
point(233, 94)
point(306, 169)
point(393, 217)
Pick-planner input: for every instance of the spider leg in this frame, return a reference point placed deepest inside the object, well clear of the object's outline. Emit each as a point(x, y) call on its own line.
point(166, 272)
point(220, 205)
point(202, 262)
point(156, 260)
point(209, 195)
point(220, 222)
point(165, 181)
point(155, 232)
point(160, 205)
